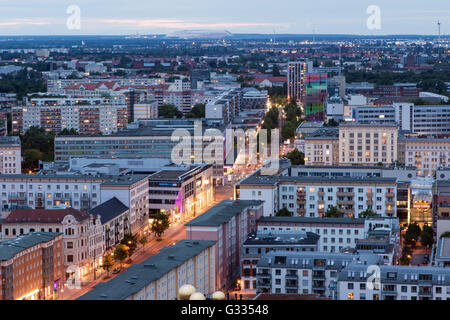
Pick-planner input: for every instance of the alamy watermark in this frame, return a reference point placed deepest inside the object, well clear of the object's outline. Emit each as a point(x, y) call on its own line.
point(374, 20)
point(213, 147)
point(73, 22)
point(373, 280)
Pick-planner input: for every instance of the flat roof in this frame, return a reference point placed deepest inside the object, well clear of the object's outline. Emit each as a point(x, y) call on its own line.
point(222, 212)
point(140, 275)
point(9, 248)
point(125, 180)
point(276, 219)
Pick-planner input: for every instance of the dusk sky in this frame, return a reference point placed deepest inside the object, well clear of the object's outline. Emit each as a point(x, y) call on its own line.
point(110, 17)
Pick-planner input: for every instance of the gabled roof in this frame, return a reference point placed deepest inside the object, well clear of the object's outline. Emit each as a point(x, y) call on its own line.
point(109, 210)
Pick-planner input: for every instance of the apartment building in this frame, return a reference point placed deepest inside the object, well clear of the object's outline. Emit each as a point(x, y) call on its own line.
point(145, 110)
point(425, 153)
point(296, 71)
point(404, 173)
point(10, 155)
point(322, 147)
point(335, 234)
point(305, 272)
point(59, 85)
point(312, 196)
point(260, 243)
point(114, 223)
point(442, 255)
point(228, 223)
point(85, 115)
point(441, 208)
point(367, 143)
point(76, 227)
point(160, 276)
point(48, 191)
point(31, 266)
point(181, 192)
point(133, 192)
point(422, 120)
point(395, 283)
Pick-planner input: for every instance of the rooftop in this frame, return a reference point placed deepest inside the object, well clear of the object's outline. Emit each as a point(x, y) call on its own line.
point(9, 248)
point(109, 210)
point(44, 215)
point(311, 220)
point(9, 141)
point(125, 180)
point(223, 212)
point(140, 275)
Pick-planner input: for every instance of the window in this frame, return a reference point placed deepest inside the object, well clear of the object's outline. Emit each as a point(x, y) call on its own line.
point(350, 285)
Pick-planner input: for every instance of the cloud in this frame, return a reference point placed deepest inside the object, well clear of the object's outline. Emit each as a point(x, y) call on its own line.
point(23, 22)
point(183, 24)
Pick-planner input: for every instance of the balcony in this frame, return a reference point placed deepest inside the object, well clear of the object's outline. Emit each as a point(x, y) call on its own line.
point(264, 285)
point(369, 202)
point(390, 212)
point(264, 275)
point(389, 291)
point(320, 193)
point(291, 285)
point(390, 203)
point(390, 195)
point(345, 202)
point(291, 276)
point(301, 193)
point(345, 194)
point(301, 212)
point(301, 201)
point(370, 195)
point(17, 197)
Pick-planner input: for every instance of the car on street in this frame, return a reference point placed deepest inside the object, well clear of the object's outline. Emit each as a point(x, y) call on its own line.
point(116, 271)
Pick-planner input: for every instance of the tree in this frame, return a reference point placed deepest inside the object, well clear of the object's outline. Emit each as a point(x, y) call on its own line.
point(445, 234)
point(68, 132)
point(169, 111)
point(412, 234)
point(160, 224)
point(288, 130)
point(108, 263)
point(143, 241)
point(120, 253)
point(333, 212)
point(331, 123)
point(130, 241)
point(198, 111)
point(283, 212)
point(426, 237)
point(297, 158)
point(367, 213)
point(31, 159)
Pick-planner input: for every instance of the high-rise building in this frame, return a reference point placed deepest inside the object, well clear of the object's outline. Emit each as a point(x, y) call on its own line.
point(295, 78)
point(314, 94)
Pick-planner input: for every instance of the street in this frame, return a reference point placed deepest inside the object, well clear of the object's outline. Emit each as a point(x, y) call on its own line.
point(171, 236)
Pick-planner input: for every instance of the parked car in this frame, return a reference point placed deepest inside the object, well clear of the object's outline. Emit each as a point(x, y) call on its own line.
point(116, 270)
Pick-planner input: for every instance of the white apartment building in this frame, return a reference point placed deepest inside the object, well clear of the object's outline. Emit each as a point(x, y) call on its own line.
point(133, 192)
point(335, 234)
point(396, 283)
point(304, 272)
point(10, 155)
point(322, 147)
point(146, 110)
point(48, 191)
point(312, 196)
point(160, 276)
point(367, 143)
point(427, 154)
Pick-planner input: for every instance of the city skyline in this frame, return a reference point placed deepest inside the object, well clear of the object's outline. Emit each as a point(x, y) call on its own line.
point(286, 17)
